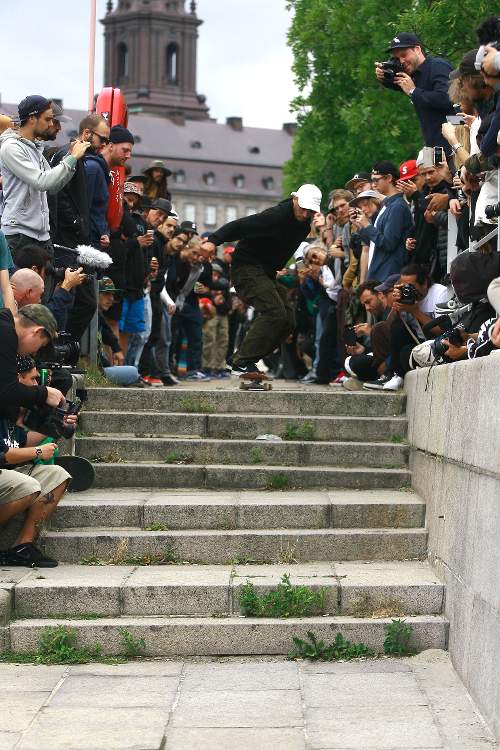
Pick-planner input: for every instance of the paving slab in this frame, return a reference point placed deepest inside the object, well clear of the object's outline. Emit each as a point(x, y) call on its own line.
point(238, 708)
point(9, 740)
point(362, 690)
point(250, 677)
point(33, 678)
point(70, 728)
point(116, 691)
point(19, 707)
point(235, 738)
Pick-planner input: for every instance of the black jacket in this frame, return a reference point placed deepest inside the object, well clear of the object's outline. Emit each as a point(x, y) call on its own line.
point(13, 394)
point(431, 99)
point(267, 239)
point(69, 208)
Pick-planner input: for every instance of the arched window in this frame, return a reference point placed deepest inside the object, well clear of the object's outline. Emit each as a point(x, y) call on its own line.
point(122, 61)
point(173, 63)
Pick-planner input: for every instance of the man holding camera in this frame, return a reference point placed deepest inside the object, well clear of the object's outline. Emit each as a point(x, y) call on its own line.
point(34, 490)
point(424, 79)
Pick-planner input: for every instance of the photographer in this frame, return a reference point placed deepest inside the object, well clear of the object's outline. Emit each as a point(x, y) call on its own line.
point(424, 79)
point(26, 482)
point(387, 236)
point(487, 62)
point(27, 176)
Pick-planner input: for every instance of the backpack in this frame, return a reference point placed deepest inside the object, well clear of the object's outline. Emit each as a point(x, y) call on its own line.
point(472, 272)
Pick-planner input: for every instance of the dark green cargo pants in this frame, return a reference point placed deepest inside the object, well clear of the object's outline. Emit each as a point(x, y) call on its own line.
point(275, 316)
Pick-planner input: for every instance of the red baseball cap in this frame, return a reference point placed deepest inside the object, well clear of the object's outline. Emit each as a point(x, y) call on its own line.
point(408, 170)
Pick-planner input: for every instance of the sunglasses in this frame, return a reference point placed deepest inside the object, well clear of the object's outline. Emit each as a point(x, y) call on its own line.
point(102, 138)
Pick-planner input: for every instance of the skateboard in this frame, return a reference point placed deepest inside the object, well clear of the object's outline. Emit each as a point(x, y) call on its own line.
point(255, 381)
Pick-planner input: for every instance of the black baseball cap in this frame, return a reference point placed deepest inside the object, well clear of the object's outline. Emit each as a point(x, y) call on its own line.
point(403, 41)
point(189, 226)
point(358, 177)
point(386, 167)
point(466, 66)
point(388, 283)
point(32, 105)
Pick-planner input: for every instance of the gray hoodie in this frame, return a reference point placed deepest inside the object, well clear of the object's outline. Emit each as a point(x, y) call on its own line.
point(27, 177)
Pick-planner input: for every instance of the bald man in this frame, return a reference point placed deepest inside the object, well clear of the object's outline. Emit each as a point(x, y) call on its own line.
point(27, 287)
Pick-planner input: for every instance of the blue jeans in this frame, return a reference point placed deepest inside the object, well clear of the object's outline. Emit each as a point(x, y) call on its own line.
point(190, 322)
point(121, 374)
point(138, 340)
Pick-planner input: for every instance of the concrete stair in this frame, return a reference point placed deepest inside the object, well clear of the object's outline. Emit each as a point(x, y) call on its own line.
point(181, 480)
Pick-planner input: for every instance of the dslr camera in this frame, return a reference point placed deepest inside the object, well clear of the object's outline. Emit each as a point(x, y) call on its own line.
point(391, 68)
point(64, 352)
point(50, 421)
point(409, 294)
point(492, 212)
point(454, 336)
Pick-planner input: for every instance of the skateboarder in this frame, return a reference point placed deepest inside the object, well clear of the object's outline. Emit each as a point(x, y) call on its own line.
point(266, 242)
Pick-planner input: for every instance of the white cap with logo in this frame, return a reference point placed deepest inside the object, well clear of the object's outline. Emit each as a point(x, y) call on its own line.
point(309, 197)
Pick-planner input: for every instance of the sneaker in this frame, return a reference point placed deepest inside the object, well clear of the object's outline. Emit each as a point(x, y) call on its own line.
point(352, 384)
point(221, 374)
point(197, 375)
point(153, 381)
point(144, 382)
point(378, 385)
point(394, 384)
point(169, 380)
point(28, 556)
point(339, 379)
point(309, 378)
point(244, 367)
point(139, 383)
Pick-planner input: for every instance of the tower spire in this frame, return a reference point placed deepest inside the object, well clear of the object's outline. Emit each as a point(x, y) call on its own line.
point(193, 7)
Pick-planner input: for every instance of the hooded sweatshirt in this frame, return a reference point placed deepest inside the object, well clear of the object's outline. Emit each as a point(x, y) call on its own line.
point(27, 177)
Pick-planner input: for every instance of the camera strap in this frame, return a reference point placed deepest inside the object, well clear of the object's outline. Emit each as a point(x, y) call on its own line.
point(410, 331)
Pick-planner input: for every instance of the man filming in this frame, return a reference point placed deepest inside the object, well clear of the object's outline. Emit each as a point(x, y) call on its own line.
point(424, 79)
point(266, 242)
point(25, 333)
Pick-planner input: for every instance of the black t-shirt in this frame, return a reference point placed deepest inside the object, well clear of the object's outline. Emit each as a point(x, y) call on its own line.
point(11, 436)
point(13, 394)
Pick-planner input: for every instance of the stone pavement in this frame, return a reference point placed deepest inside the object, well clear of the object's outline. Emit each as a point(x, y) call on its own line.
point(240, 704)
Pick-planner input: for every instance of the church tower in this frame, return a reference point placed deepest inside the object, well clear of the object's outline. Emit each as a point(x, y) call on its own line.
point(150, 54)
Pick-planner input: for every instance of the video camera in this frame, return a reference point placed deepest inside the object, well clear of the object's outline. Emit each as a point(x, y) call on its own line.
point(391, 68)
point(94, 262)
point(50, 421)
point(492, 212)
point(62, 353)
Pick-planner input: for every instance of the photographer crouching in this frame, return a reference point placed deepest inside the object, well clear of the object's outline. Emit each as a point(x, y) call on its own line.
point(25, 485)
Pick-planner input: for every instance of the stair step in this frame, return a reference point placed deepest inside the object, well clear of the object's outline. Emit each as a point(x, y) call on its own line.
point(243, 452)
point(225, 546)
point(143, 424)
point(355, 589)
point(224, 476)
point(238, 510)
point(166, 636)
point(332, 401)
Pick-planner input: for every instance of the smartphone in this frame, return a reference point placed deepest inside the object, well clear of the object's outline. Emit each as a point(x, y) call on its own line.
point(455, 120)
point(433, 156)
point(150, 232)
point(350, 336)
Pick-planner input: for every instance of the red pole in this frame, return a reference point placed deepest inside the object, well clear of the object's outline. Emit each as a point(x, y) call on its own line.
point(93, 21)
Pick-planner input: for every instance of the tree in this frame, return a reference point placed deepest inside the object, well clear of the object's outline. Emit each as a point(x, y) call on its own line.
point(346, 120)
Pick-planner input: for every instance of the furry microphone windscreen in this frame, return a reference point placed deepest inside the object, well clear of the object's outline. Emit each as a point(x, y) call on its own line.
point(89, 256)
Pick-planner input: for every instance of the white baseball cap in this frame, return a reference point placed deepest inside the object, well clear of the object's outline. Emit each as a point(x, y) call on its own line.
point(309, 197)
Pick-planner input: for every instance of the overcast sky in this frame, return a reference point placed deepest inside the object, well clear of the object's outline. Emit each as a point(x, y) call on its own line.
point(243, 61)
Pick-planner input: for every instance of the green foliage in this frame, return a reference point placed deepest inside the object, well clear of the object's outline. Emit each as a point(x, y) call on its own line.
point(278, 482)
point(58, 645)
point(316, 650)
point(347, 121)
point(133, 646)
point(397, 638)
point(166, 556)
point(196, 405)
point(256, 456)
point(155, 526)
point(285, 600)
point(303, 431)
point(397, 439)
point(177, 458)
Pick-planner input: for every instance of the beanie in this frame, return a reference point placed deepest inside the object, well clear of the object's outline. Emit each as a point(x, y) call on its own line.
point(119, 134)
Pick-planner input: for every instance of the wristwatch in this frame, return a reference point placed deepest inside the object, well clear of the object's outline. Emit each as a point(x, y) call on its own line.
point(456, 147)
point(38, 452)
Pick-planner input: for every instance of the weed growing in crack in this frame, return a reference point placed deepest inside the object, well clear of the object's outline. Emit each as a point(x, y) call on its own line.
point(286, 600)
point(318, 650)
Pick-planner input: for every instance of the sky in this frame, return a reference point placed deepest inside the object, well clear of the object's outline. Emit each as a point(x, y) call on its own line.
point(244, 64)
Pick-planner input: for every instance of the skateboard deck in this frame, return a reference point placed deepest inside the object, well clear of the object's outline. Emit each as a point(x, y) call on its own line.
point(255, 381)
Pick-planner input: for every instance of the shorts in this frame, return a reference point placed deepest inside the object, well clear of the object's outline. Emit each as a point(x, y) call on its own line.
point(133, 319)
point(26, 480)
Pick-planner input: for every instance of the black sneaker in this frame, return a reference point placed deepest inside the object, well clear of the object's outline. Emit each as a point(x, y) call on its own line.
point(169, 380)
point(378, 385)
point(28, 556)
point(244, 367)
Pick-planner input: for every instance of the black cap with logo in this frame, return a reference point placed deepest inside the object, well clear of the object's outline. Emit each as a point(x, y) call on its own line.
point(403, 41)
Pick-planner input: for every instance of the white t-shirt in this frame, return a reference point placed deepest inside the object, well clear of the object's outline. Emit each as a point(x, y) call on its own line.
point(436, 295)
point(332, 287)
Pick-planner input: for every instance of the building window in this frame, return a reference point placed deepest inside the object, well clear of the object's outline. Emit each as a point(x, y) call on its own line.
point(250, 211)
point(210, 216)
point(231, 213)
point(195, 144)
point(122, 61)
point(190, 212)
point(172, 59)
point(180, 177)
point(239, 180)
point(268, 183)
point(209, 178)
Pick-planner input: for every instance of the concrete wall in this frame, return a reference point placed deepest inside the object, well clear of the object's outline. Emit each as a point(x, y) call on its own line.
point(454, 431)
